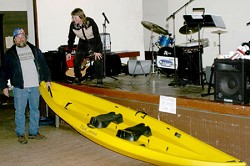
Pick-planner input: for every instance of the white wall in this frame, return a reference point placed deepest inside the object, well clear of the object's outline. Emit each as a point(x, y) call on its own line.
point(125, 28)
point(155, 12)
point(125, 18)
point(31, 23)
point(13, 5)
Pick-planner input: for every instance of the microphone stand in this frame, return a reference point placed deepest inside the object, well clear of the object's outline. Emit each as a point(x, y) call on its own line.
point(176, 80)
point(104, 47)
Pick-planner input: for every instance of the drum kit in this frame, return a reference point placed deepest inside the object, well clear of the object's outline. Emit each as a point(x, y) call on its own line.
point(164, 39)
point(166, 61)
point(186, 30)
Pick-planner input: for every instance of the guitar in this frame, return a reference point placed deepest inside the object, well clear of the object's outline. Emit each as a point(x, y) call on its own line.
point(70, 72)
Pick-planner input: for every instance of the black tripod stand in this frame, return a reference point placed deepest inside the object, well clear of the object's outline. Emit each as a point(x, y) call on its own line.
point(210, 83)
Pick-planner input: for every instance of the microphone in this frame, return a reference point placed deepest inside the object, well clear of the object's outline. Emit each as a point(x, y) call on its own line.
point(105, 17)
point(248, 23)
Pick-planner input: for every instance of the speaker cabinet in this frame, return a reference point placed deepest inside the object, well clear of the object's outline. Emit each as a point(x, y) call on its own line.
point(231, 80)
point(188, 64)
point(113, 65)
point(57, 65)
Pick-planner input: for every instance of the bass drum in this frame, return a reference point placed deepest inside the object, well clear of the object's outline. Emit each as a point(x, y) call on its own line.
point(164, 41)
point(165, 61)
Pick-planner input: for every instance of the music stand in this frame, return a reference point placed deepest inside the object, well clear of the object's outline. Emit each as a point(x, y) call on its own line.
point(204, 21)
point(201, 21)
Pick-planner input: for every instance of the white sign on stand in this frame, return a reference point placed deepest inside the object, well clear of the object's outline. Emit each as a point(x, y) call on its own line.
point(167, 104)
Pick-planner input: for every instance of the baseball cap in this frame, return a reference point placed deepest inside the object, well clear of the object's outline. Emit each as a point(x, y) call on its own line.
point(18, 31)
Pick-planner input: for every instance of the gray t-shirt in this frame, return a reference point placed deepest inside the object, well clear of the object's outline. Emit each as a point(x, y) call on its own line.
point(29, 71)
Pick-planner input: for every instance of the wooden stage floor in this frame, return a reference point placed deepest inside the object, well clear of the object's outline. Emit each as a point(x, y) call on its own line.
point(154, 83)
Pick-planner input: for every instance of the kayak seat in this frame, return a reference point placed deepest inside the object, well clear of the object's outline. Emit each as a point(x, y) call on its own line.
point(103, 120)
point(134, 133)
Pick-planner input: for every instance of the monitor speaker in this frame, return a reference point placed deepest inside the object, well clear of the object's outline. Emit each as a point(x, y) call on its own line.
point(231, 81)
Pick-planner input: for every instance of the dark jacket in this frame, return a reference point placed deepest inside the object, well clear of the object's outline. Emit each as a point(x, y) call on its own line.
point(11, 67)
point(94, 44)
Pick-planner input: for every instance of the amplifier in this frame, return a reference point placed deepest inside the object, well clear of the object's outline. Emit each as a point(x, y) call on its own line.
point(188, 64)
point(190, 50)
point(64, 49)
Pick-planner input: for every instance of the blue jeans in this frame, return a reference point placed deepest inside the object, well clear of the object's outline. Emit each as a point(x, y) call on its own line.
point(22, 97)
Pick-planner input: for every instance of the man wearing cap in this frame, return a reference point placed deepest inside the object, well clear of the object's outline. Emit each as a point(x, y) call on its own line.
point(25, 66)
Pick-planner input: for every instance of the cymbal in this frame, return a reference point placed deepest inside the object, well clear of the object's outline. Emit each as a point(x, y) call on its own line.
point(155, 28)
point(188, 30)
point(219, 31)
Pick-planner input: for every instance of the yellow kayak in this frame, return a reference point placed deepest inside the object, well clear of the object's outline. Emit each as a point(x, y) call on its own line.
point(129, 132)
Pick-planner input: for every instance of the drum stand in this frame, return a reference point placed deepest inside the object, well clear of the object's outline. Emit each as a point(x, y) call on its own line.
point(201, 72)
point(219, 32)
point(152, 45)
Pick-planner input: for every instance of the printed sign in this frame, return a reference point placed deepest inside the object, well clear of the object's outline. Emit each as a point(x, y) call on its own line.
point(167, 104)
point(167, 62)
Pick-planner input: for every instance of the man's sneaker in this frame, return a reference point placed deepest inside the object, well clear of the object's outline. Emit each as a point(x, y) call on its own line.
point(22, 139)
point(37, 136)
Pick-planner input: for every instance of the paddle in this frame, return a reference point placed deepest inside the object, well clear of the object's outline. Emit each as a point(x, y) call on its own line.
point(49, 90)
